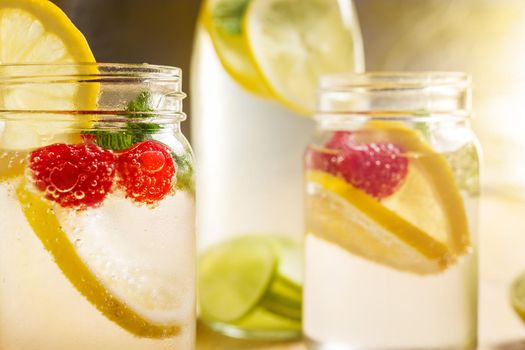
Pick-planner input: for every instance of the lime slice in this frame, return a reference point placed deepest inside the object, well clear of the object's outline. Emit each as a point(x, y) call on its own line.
point(141, 311)
point(223, 21)
point(517, 295)
point(294, 42)
point(234, 276)
point(261, 319)
point(350, 218)
point(283, 299)
point(290, 268)
point(37, 31)
point(284, 296)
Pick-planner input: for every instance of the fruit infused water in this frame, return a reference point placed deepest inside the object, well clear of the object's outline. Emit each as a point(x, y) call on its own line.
point(97, 222)
point(391, 201)
point(254, 75)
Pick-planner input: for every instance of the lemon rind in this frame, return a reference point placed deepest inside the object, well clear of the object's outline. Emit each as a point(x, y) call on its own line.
point(43, 221)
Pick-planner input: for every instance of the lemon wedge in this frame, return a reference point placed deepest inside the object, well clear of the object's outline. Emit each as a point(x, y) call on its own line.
point(422, 228)
point(517, 295)
point(430, 197)
point(348, 217)
point(37, 31)
point(294, 42)
point(222, 19)
point(12, 164)
point(144, 311)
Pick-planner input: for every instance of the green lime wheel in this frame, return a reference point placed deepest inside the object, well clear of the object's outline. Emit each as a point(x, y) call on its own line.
point(290, 268)
point(234, 276)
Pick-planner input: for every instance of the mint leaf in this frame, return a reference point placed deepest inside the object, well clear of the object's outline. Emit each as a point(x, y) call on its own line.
point(227, 15)
point(184, 167)
point(114, 141)
point(135, 131)
point(140, 104)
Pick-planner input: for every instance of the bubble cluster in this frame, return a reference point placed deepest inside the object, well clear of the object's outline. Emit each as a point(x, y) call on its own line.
point(74, 176)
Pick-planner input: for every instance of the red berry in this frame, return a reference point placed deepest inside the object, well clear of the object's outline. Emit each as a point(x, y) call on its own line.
point(328, 159)
point(340, 140)
point(376, 168)
point(146, 171)
point(321, 160)
point(74, 176)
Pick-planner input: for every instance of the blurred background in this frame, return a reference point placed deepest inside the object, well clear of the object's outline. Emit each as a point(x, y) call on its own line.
point(485, 38)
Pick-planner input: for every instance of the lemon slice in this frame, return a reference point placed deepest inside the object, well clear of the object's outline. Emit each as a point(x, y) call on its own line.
point(12, 164)
point(350, 218)
point(430, 197)
point(222, 19)
point(294, 42)
point(139, 295)
point(517, 295)
point(37, 31)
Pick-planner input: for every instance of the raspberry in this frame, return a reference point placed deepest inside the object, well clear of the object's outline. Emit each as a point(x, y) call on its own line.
point(74, 176)
point(321, 160)
point(146, 171)
point(340, 140)
point(328, 159)
point(376, 168)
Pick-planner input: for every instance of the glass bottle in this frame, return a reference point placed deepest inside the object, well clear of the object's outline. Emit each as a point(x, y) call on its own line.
point(249, 144)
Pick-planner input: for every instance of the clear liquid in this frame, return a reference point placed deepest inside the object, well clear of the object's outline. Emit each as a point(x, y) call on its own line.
point(41, 309)
point(352, 302)
point(250, 153)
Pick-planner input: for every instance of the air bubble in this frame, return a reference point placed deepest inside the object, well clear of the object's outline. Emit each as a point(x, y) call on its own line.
point(79, 195)
point(92, 168)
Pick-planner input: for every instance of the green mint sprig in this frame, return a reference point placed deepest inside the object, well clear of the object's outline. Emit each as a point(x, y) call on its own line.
point(133, 132)
point(136, 131)
point(184, 166)
point(227, 15)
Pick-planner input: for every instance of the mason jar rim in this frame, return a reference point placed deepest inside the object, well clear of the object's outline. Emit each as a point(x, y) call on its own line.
point(165, 81)
point(131, 70)
point(393, 79)
point(383, 95)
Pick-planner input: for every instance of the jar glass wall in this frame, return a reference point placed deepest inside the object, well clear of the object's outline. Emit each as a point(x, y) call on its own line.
point(97, 220)
point(392, 187)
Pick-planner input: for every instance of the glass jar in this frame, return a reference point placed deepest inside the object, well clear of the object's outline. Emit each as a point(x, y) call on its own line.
point(97, 221)
point(392, 191)
point(250, 144)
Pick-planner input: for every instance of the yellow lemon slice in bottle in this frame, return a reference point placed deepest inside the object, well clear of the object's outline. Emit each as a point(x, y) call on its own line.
point(223, 21)
point(294, 42)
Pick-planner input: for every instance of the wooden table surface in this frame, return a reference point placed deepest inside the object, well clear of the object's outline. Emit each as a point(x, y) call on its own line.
point(210, 340)
point(502, 257)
